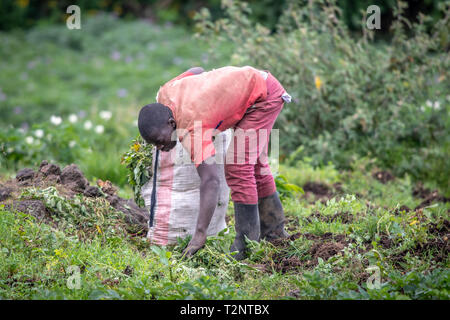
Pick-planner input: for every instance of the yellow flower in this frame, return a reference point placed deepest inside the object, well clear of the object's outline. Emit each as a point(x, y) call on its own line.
point(318, 82)
point(99, 230)
point(413, 222)
point(136, 147)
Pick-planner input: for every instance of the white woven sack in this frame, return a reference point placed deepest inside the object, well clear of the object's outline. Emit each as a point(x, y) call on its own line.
point(178, 194)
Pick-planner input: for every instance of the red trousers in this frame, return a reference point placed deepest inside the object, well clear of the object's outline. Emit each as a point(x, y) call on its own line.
point(246, 169)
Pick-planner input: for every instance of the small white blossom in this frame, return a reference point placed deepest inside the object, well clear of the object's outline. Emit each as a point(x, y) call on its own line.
point(72, 144)
point(105, 114)
point(39, 133)
point(429, 103)
point(73, 118)
point(99, 129)
point(29, 140)
point(10, 150)
point(55, 120)
point(437, 105)
point(88, 125)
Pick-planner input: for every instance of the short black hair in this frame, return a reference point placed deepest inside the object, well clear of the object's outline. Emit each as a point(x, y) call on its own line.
point(152, 118)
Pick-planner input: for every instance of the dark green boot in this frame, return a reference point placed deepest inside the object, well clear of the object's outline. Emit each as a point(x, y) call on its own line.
point(271, 217)
point(247, 225)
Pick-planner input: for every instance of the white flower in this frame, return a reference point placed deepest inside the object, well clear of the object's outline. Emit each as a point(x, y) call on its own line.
point(105, 114)
point(88, 125)
point(29, 140)
point(55, 120)
point(39, 133)
point(72, 144)
point(10, 150)
point(429, 103)
point(422, 108)
point(73, 118)
point(99, 129)
point(437, 105)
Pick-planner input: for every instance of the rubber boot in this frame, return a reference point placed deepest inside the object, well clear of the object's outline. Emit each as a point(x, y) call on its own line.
point(271, 216)
point(247, 225)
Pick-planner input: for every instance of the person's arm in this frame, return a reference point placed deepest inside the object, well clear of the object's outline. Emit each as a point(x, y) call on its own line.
point(209, 195)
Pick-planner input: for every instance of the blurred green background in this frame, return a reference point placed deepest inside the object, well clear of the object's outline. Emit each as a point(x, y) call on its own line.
point(73, 95)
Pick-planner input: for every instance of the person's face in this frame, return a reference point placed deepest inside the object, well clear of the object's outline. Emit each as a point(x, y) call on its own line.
point(163, 139)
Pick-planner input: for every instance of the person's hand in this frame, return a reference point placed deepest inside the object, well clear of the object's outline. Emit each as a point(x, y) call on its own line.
point(197, 242)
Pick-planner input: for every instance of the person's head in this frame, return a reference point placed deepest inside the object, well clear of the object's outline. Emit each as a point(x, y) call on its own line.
point(156, 126)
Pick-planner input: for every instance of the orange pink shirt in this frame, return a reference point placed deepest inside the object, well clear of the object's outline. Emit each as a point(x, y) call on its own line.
point(202, 102)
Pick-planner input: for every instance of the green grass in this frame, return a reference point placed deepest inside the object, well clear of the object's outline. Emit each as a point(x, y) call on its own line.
point(35, 257)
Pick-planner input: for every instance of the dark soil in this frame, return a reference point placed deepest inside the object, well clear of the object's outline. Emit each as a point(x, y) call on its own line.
point(128, 271)
point(438, 247)
point(325, 251)
point(383, 176)
point(284, 242)
point(318, 189)
point(36, 208)
point(325, 246)
point(402, 208)
point(343, 217)
point(93, 192)
point(5, 192)
point(25, 175)
point(385, 241)
point(73, 179)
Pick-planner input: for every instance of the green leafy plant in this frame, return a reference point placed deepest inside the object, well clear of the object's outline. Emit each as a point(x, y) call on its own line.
point(285, 188)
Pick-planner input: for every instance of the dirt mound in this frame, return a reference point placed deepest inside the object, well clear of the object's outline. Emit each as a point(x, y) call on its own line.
point(284, 265)
point(5, 192)
point(402, 208)
point(439, 246)
point(383, 176)
point(325, 246)
point(73, 178)
point(325, 250)
point(36, 208)
point(284, 242)
point(344, 217)
point(69, 182)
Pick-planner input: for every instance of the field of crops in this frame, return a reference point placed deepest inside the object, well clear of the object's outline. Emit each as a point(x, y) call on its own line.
point(358, 235)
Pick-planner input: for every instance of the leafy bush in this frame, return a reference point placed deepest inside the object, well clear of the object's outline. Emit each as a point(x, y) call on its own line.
point(138, 161)
point(351, 97)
